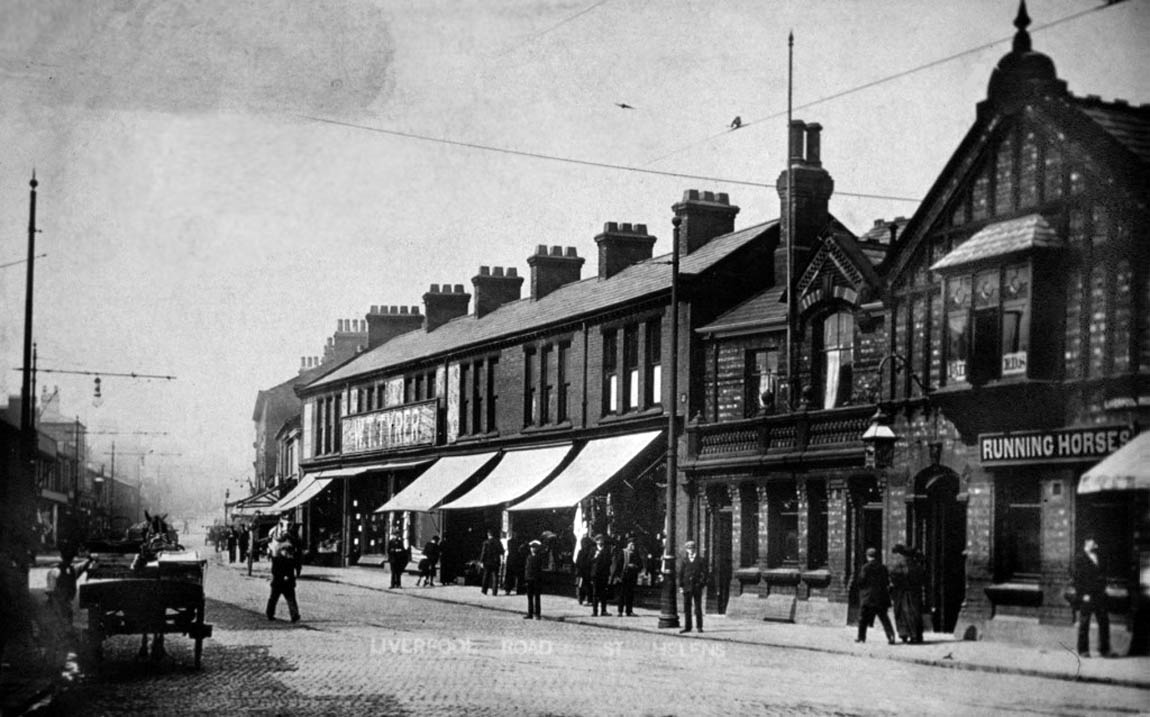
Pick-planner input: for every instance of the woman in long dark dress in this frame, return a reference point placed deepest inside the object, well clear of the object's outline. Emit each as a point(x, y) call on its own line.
point(906, 581)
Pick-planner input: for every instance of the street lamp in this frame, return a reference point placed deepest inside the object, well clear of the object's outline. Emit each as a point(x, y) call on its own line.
point(669, 613)
point(879, 440)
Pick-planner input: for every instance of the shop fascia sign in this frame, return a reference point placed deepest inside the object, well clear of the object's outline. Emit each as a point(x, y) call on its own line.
point(400, 427)
point(1064, 445)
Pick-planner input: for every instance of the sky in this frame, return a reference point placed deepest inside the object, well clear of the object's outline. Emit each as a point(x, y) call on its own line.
point(214, 197)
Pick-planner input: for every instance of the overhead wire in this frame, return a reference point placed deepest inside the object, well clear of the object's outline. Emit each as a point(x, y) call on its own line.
point(874, 83)
point(573, 160)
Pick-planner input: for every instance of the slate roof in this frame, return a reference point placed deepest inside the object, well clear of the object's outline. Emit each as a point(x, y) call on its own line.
point(1130, 126)
point(1000, 239)
point(575, 299)
point(764, 309)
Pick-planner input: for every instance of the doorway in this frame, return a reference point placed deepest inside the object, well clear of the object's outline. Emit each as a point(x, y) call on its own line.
point(720, 551)
point(939, 530)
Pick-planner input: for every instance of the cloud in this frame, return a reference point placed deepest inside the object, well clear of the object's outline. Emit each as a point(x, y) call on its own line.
point(197, 56)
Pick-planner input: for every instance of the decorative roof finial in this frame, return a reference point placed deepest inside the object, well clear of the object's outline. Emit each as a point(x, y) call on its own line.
point(33, 183)
point(1022, 37)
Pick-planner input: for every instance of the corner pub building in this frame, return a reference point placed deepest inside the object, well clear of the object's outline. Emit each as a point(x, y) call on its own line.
point(1000, 337)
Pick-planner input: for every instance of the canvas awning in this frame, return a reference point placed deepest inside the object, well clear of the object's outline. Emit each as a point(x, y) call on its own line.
point(428, 490)
point(515, 475)
point(1127, 468)
point(353, 471)
point(260, 502)
point(598, 462)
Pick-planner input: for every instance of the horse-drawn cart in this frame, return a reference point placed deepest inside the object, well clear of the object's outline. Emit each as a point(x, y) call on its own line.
point(126, 594)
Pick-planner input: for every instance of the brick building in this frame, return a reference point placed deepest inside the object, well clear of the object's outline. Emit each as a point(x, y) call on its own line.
point(536, 415)
point(1005, 335)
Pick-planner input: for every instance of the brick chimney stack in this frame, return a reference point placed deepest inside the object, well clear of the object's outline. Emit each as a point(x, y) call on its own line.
point(384, 323)
point(813, 187)
point(621, 245)
point(441, 306)
point(494, 288)
point(552, 269)
point(705, 216)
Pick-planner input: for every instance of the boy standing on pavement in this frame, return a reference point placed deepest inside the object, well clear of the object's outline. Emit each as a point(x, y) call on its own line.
point(287, 562)
point(1090, 588)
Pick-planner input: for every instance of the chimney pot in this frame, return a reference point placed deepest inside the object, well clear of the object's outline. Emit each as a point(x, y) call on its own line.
point(484, 271)
point(723, 198)
point(814, 144)
point(459, 288)
point(512, 271)
point(796, 136)
point(708, 196)
point(571, 252)
point(611, 227)
point(402, 309)
point(434, 289)
point(541, 249)
point(497, 271)
point(691, 194)
point(556, 251)
point(415, 309)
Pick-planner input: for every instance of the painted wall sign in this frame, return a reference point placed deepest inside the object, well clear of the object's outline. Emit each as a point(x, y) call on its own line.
point(1062, 445)
point(412, 425)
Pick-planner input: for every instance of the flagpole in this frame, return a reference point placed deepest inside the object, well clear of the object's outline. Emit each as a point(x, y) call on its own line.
point(790, 238)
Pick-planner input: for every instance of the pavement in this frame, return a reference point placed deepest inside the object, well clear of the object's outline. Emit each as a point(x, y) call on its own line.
point(939, 649)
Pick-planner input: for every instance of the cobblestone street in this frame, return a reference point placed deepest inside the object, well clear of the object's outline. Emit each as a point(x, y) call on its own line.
point(367, 651)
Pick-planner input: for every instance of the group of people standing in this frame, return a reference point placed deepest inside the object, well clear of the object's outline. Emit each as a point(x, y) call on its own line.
point(900, 586)
point(237, 539)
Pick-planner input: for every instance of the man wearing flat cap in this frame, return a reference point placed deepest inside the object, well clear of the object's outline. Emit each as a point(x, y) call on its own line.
point(693, 578)
point(625, 569)
point(532, 574)
point(873, 584)
point(600, 576)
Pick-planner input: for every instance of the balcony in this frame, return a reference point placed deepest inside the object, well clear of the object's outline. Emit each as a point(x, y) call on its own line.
point(780, 435)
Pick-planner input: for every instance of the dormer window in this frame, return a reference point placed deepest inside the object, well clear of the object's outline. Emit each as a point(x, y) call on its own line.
point(989, 302)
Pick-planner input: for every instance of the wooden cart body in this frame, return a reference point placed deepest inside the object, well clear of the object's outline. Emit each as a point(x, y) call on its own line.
point(165, 597)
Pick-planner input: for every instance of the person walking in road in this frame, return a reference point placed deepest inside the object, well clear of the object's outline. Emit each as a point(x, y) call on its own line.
point(906, 582)
point(287, 562)
point(1090, 592)
point(233, 539)
point(625, 569)
point(244, 542)
point(397, 557)
point(491, 557)
point(532, 575)
point(692, 580)
point(873, 584)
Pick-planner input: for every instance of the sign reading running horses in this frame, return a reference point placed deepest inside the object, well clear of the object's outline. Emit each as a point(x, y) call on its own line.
point(412, 425)
point(1061, 445)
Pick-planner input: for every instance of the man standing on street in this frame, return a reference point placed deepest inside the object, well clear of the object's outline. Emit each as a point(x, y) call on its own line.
point(600, 576)
point(625, 570)
point(692, 580)
point(1090, 589)
point(532, 574)
point(873, 584)
point(491, 557)
point(287, 561)
point(397, 557)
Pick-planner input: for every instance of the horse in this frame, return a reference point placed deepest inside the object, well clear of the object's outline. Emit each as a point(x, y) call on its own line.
point(155, 536)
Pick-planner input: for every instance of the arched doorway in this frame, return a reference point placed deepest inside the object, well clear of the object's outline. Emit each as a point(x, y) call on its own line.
point(938, 525)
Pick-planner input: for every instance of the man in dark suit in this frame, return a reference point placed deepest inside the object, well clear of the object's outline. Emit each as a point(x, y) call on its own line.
point(873, 584)
point(491, 557)
point(1090, 590)
point(397, 557)
point(600, 576)
point(532, 575)
point(625, 568)
point(692, 580)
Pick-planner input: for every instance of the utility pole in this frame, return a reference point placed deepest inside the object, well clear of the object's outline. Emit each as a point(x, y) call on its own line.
point(20, 498)
point(669, 610)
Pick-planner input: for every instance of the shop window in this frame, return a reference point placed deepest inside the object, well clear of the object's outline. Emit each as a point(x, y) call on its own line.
point(610, 372)
point(654, 364)
point(761, 381)
point(1019, 527)
point(817, 527)
point(630, 367)
point(782, 526)
point(837, 358)
point(1015, 320)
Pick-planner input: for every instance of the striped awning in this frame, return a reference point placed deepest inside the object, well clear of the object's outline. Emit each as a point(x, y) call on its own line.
point(1127, 468)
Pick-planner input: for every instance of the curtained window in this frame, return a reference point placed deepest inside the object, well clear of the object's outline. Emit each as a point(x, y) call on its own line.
point(837, 358)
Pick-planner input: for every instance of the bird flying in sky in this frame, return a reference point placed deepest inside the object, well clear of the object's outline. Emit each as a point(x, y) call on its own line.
point(624, 105)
